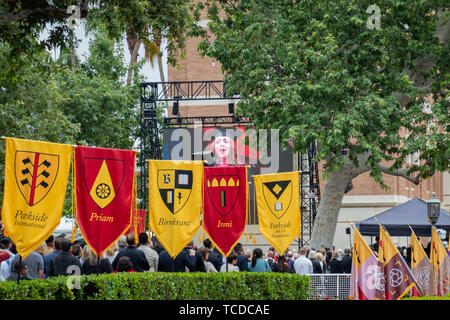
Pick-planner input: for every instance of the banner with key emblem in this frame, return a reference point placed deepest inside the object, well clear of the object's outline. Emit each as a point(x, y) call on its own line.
point(278, 204)
point(225, 207)
point(175, 202)
point(36, 175)
point(104, 194)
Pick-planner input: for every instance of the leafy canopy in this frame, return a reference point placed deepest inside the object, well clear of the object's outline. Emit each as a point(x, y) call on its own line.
point(314, 70)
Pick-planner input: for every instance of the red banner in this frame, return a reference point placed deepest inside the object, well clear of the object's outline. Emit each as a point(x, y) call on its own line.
point(138, 221)
point(104, 194)
point(225, 205)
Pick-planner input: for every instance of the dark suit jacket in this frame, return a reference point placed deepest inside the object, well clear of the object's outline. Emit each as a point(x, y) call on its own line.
point(346, 264)
point(136, 256)
point(60, 263)
point(335, 266)
point(317, 268)
point(179, 264)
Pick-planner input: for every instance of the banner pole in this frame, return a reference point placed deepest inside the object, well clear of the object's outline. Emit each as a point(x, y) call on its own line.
point(19, 269)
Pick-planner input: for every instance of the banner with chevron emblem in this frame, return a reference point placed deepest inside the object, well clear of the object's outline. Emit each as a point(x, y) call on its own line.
point(104, 194)
point(225, 192)
point(36, 175)
point(278, 204)
point(175, 202)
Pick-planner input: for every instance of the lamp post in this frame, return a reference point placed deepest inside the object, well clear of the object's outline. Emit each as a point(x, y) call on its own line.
point(433, 209)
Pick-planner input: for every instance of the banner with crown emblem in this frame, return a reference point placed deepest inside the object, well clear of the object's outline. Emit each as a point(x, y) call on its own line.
point(104, 194)
point(225, 192)
point(175, 202)
point(278, 205)
point(36, 175)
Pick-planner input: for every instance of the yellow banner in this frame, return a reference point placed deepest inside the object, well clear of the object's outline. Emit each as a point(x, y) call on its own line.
point(421, 268)
point(175, 201)
point(278, 204)
point(36, 175)
point(417, 251)
point(440, 262)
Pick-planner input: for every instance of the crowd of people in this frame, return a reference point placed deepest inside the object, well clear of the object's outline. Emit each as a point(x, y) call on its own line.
point(60, 257)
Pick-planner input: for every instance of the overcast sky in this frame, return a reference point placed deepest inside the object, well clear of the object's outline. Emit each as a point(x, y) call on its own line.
point(150, 74)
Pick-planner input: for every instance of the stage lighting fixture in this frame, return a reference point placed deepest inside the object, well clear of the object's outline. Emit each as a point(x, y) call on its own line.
point(175, 108)
point(231, 107)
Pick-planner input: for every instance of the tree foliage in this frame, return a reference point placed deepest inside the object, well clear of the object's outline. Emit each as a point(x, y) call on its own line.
point(46, 101)
point(319, 71)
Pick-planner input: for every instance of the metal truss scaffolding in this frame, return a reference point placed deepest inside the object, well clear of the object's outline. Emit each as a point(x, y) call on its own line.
point(153, 93)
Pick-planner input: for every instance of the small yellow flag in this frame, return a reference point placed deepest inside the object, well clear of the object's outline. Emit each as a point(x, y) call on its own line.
point(175, 202)
point(278, 204)
point(36, 175)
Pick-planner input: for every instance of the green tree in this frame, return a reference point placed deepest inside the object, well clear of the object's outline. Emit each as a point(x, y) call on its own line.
point(327, 72)
point(46, 101)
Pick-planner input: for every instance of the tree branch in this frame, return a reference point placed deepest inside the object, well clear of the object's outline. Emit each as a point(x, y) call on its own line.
point(401, 173)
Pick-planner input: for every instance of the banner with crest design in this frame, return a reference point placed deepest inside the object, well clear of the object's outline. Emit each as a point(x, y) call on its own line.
point(175, 202)
point(104, 194)
point(36, 175)
point(225, 207)
point(278, 204)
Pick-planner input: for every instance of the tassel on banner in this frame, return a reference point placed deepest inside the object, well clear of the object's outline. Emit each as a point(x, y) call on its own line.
point(254, 215)
point(74, 232)
point(134, 212)
point(74, 205)
point(203, 234)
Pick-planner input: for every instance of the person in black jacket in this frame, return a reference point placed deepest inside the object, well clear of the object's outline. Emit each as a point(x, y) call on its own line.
point(242, 261)
point(346, 262)
point(94, 265)
point(59, 264)
point(185, 259)
point(215, 257)
point(316, 265)
point(335, 264)
point(136, 256)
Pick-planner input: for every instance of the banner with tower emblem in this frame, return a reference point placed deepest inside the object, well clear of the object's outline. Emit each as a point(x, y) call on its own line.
point(175, 202)
point(36, 175)
point(225, 192)
point(104, 194)
point(278, 204)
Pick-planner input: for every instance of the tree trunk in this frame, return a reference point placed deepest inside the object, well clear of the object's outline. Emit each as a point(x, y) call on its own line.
point(333, 193)
point(73, 59)
point(330, 205)
point(134, 44)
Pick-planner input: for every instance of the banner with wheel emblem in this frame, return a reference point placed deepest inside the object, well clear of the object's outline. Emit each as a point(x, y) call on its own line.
point(104, 194)
point(398, 278)
point(175, 202)
point(278, 204)
point(36, 175)
point(225, 192)
point(421, 268)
